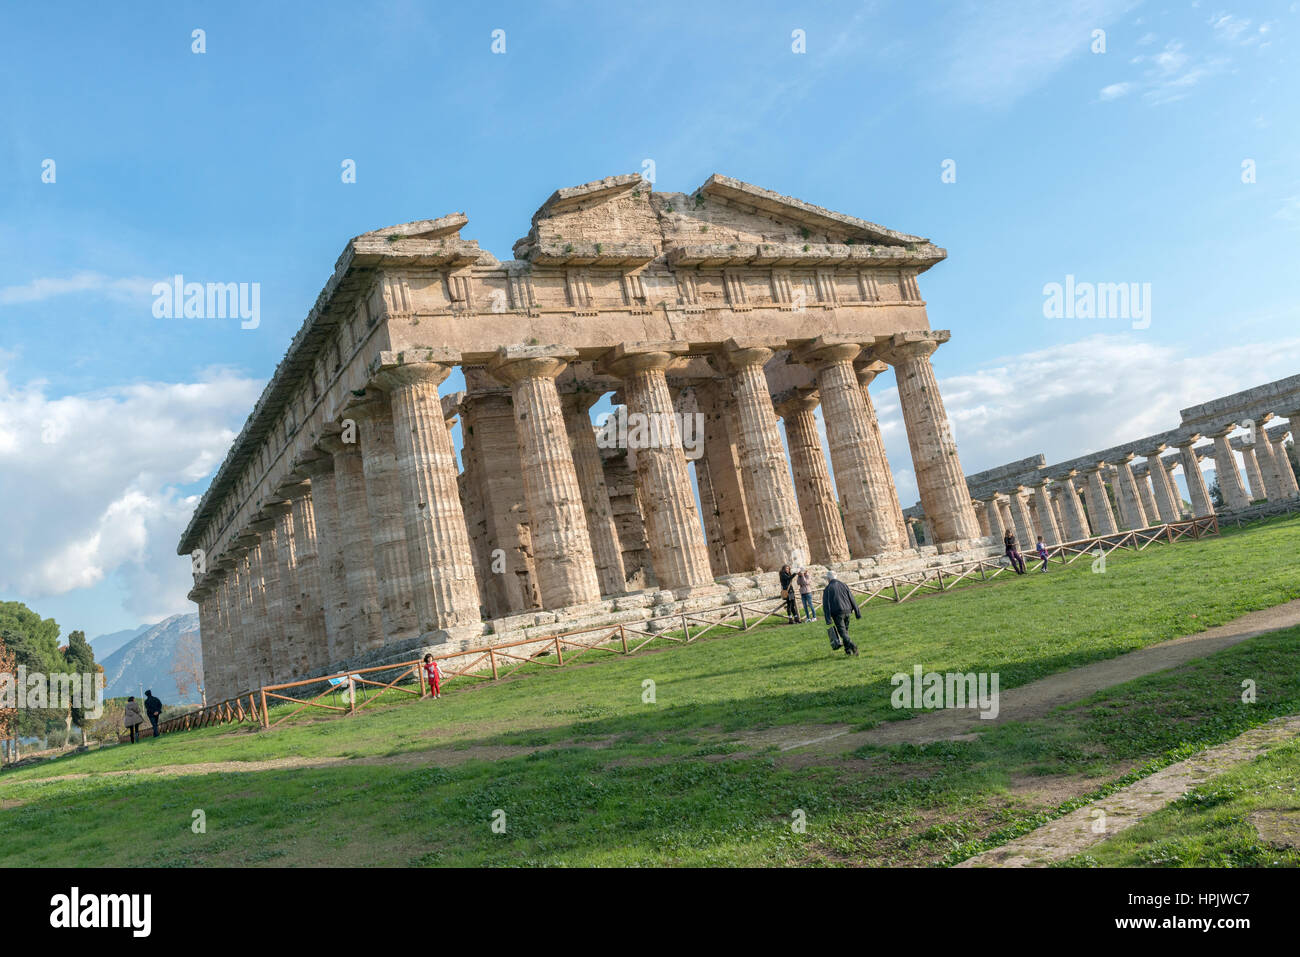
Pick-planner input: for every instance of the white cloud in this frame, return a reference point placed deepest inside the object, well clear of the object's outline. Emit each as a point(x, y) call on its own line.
point(95, 477)
point(39, 290)
point(1114, 91)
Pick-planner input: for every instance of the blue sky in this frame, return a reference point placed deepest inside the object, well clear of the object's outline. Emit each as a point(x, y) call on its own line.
point(1116, 166)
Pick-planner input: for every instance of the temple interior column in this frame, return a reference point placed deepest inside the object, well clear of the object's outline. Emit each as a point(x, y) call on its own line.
point(1126, 494)
point(939, 476)
point(715, 401)
point(982, 516)
point(770, 500)
point(392, 561)
point(1145, 496)
point(1268, 465)
point(562, 548)
point(440, 565)
point(993, 509)
point(606, 549)
point(1225, 473)
point(818, 509)
point(712, 518)
point(678, 550)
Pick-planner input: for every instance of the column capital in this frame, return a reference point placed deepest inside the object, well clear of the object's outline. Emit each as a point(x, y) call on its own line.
point(738, 353)
point(368, 404)
point(911, 345)
point(796, 401)
point(331, 443)
point(293, 488)
point(1152, 451)
point(425, 365)
point(629, 357)
point(1095, 469)
point(829, 348)
point(513, 364)
point(867, 371)
point(313, 464)
point(262, 525)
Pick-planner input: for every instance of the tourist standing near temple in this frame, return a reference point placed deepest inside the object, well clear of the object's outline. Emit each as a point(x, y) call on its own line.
point(837, 605)
point(1041, 549)
point(434, 674)
point(787, 592)
point(1013, 553)
point(805, 594)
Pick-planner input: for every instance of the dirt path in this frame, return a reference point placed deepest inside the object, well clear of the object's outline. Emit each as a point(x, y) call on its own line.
point(1103, 819)
point(1039, 697)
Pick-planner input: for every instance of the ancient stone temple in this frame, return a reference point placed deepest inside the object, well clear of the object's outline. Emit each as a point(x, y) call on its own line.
point(340, 529)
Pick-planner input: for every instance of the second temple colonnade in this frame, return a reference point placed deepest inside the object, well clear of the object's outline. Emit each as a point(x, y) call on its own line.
point(340, 528)
point(1110, 490)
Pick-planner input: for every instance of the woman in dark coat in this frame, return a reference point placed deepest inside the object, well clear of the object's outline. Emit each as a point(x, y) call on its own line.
point(787, 592)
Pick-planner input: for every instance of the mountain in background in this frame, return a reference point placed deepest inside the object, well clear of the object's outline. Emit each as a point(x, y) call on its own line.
point(105, 645)
point(146, 660)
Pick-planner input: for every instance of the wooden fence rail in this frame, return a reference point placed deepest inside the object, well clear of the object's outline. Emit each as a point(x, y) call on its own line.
point(498, 661)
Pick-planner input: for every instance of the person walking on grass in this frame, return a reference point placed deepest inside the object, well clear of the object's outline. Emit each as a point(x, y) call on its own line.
point(434, 674)
point(1042, 553)
point(804, 580)
point(837, 605)
point(132, 717)
point(153, 708)
point(1013, 553)
point(787, 593)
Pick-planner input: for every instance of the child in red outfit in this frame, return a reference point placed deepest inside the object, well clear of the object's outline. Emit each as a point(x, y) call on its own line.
point(434, 674)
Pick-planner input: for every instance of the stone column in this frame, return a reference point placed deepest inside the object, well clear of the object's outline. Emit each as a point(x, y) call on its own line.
point(770, 500)
point(1146, 497)
point(1268, 465)
point(982, 516)
point(289, 651)
point(1046, 517)
point(309, 597)
point(818, 509)
point(392, 561)
point(440, 565)
point(1024, 524)
point(201, 595)
point(244, 650)
point(993, 509)
point(720, 452)
point(1166, 495)
point(224, 639)
point(712, 519)
point(273, 598)
point(911, 533)
point(1251, 464)
point(1126, 494)
point(678, 550)
point(872, 511)
point(562, 551)
point(1076, 522)
point(1282, 461)
point(606, 549)
point(339, 638)
point(361, 612)
point(1100, 516)
point(1225, 473)
point(1195, 479)
point(939, 475)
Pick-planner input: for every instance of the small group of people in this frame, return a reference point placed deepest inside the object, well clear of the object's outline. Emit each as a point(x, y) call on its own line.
point(133, 719)
point(790, 580)
point(1013, 552)
point(837, 604)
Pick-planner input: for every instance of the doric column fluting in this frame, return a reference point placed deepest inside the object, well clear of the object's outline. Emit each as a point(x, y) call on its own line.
point(770, 499)
point(674, 534)
point(360, 607)
point(562, 549)
point(244, 649)
point(606, 550)
point(1023, 521)
point(939, 477)
point(1226, 475)
point(1072, 514)
point(339, 637)
point(392, 563)
point(1126, 494)
point(1100, 515)
point(273, 597)
point(818, 509)
point(440, 564)
point(1290, 488)
point(993, 511)
point(1195, 479)
point(1146, 497)
point(1251, 465)
point(1047, 526)
point(314, 650)
point(715, 401)
point(1166, 495)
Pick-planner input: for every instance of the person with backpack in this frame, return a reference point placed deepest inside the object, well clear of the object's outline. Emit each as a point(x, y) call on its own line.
point(434, 674)
point(132, 717)
point(837, 605)
point(787, 593)
point(153, 708)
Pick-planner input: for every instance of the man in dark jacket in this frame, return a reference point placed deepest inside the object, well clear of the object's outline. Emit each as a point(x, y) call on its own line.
point(837, 605)
point(153, 708)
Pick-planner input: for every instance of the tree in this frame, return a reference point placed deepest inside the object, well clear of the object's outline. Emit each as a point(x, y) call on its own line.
point(8, 713)
point(187, 666)
point(1216, 495)
point(79, 659)
point(34, 642)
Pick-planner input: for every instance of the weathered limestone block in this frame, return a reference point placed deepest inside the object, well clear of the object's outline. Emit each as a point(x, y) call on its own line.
point(562, 550)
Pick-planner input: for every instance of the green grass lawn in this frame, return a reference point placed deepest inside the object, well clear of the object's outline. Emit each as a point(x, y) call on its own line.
point(620, 781)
